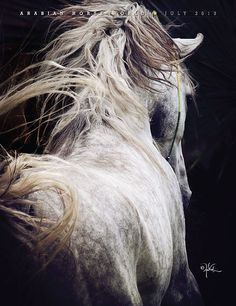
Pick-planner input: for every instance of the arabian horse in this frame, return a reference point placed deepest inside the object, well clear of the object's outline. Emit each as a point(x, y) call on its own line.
point(98, 216)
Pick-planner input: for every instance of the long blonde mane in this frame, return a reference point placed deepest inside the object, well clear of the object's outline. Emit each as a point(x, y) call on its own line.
point(92, 73)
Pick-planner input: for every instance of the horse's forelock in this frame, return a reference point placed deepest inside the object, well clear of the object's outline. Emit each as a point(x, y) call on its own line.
point(149, 48)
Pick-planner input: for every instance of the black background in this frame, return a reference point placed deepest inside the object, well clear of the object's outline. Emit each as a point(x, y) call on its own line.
point(209, 142)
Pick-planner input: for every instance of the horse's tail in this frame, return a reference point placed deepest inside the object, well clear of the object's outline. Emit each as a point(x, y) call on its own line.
point(23, 181)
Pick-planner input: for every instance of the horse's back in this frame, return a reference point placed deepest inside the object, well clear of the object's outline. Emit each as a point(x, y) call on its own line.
point(122, 241)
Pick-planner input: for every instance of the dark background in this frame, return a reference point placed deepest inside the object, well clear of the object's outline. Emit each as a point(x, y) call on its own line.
point(209, 142)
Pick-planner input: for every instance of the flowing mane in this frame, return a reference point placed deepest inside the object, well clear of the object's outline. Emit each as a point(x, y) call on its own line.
point(93, 72)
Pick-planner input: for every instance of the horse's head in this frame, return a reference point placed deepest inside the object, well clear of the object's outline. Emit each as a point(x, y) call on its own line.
point(170, 113)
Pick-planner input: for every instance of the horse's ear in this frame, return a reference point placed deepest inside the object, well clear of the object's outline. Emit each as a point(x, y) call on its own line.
point(187, 46)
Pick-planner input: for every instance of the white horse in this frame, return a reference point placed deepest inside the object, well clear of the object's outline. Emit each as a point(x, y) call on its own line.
point(102, 189)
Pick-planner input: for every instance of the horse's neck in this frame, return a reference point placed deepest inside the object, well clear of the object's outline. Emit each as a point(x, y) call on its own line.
point(105, 139)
